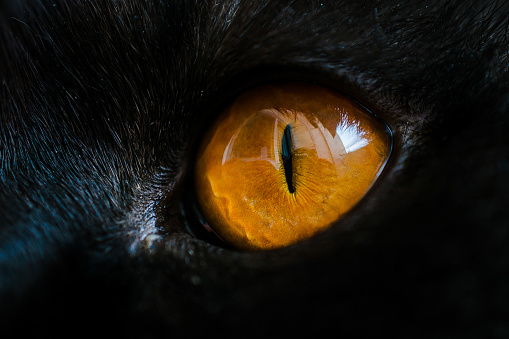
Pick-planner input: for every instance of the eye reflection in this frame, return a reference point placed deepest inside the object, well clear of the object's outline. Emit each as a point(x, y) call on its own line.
point(347, 137)
point(351, 137)
point(284, 161)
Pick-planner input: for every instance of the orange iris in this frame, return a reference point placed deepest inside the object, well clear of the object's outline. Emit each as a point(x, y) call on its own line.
point(285, 161)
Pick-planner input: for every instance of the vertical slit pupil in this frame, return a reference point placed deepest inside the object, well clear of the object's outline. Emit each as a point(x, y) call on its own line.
point(286, 152)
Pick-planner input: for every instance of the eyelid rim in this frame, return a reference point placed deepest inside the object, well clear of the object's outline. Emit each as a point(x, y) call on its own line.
point(191, 212)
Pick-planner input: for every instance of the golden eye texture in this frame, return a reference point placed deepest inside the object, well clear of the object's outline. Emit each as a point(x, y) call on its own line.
point(285, 161)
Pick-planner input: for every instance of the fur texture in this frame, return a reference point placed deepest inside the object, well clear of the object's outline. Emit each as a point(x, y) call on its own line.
point(102, 102)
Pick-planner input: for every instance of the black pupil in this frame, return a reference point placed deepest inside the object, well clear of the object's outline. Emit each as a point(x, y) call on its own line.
point(286, 152)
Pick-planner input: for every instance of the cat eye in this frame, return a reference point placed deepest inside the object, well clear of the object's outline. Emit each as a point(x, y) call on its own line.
point(284, 161)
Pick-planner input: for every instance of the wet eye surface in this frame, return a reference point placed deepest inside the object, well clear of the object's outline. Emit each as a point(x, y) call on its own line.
point(285, 161)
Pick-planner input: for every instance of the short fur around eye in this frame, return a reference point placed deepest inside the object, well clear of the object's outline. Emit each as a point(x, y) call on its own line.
point(100, 101)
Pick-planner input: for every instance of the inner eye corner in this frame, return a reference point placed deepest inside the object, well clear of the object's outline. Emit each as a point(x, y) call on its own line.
point(265, 179)
point(194, 221)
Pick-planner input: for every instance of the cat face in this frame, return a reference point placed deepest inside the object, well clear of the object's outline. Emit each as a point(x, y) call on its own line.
point(103, 104)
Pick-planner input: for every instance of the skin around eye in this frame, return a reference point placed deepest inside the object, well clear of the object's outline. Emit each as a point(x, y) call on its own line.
point(285, 161)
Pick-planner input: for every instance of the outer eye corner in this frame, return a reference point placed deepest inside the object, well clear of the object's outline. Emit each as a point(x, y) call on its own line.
point(283, 162)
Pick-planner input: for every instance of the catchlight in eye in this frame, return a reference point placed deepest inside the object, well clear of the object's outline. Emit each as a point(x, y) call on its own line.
point(285, 161)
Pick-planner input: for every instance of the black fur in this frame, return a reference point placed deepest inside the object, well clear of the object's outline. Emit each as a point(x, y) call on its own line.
point(102, 102)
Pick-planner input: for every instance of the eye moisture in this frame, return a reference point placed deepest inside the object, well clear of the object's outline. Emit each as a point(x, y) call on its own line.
point(285, 161)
